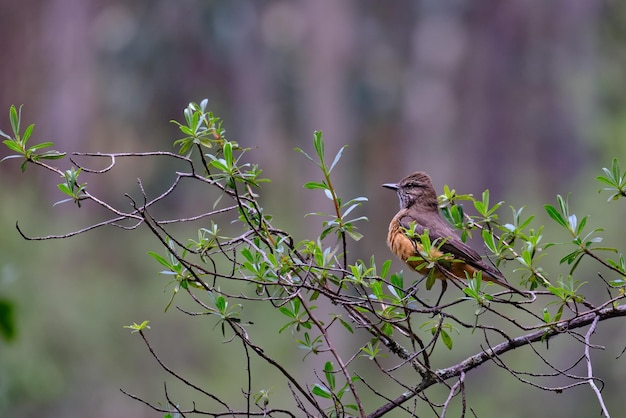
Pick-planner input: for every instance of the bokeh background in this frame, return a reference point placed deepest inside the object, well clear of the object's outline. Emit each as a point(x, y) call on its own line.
point(525, 98)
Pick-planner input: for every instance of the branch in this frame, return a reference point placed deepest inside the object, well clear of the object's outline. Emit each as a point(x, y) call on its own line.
point(261, 353)
point(338, 358)
point(458, 385)
point(182, 379)
point(484, 356)
point(592, 383)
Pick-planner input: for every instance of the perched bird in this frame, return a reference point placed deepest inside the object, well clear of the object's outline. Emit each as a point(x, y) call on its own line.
point(419, 207)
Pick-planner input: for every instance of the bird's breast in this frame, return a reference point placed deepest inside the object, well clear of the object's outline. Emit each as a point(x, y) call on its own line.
point(399, 243)
point(405, 248)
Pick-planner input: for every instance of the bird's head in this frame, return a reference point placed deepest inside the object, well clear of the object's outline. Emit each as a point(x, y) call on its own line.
point(416, 188)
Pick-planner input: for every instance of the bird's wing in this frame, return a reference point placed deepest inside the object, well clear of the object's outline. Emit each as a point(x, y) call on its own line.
point(439, 230)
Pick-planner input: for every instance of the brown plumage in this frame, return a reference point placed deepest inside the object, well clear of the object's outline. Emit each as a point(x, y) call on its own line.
point(418, 204)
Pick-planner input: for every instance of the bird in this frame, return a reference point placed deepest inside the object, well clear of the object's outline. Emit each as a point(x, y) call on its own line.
point(419, 212)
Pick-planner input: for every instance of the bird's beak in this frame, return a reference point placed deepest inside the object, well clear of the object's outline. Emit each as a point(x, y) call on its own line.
point(391, 186)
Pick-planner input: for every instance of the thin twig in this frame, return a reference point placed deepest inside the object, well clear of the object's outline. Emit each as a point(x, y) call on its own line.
point(591, 380)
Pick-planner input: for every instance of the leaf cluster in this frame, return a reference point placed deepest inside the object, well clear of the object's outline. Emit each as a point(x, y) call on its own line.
point(17, 142)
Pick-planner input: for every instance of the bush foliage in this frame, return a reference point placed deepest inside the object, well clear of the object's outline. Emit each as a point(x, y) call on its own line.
point(376, 338)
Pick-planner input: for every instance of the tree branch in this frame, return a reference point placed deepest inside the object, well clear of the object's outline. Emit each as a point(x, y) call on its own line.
point(484, 356)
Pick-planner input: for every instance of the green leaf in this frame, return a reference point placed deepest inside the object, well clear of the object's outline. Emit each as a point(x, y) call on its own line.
point(13, 146)
point(14, 117)
point(287, 312)
point(137, 328)
point(569, 258)
point(156, 256)
point(329, 372)
point(52, 155)
point(377, 289)
point(546, 315)
point(489, 240)
point(482, 207)
point(321, 391)
point(228, 153)
point(63, 187)
point(430, 280)
point(447, 340)
point(385, 270)
point(582, 224)
point(40, 146)
point(356, 236)
point(221, 304)
point(559, 313)
point(220, 164)
point(471, 293)
point(27, 133)
point(397, 280)
point(562, 204)
point(346, 325)
point(188, 113)
point(315, 185)
point(555, 215)
point(617, 174)
point(605, 181)
point(318, 143)
point(447, 215)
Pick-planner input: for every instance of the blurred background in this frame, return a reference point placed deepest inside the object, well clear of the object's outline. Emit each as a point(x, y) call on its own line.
point(527, 99)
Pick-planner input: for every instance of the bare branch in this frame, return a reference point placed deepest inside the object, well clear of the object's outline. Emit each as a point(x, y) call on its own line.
point(457, 386)
point(591, 381)
point(480, 358)
point(182, 379)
